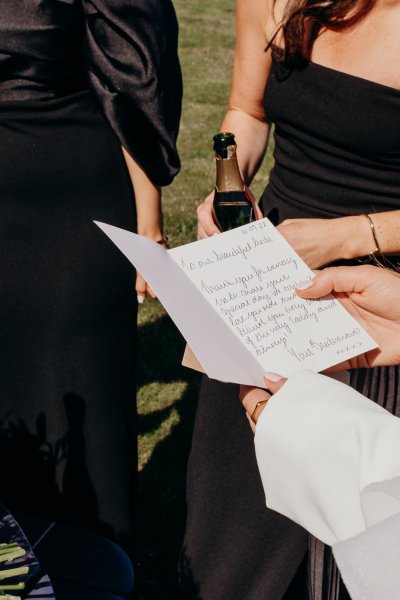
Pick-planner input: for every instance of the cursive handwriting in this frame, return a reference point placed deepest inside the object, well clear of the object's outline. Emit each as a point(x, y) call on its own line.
point(249, 276)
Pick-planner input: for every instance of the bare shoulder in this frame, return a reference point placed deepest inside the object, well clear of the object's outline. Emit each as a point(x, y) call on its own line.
point(276, 9)
point(252, 60)
point(256, 12)
point(264, 16)
point(275, 13)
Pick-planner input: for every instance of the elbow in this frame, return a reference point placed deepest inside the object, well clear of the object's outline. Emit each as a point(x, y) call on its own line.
point(258, 115)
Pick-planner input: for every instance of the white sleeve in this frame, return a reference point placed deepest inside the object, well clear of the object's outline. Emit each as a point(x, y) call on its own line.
point(369, 562)
point(319, 443)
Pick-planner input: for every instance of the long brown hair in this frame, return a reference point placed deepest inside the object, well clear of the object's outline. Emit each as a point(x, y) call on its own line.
point(303, 20)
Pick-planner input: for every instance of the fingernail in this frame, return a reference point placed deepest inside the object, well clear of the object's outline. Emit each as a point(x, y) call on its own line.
point(140, 299)
point(304, 285)
point(273, 377)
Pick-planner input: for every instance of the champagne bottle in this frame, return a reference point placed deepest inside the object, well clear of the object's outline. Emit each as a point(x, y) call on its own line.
point(232, 205)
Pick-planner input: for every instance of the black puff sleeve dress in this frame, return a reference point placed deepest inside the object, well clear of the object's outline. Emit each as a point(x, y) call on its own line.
point(78, 78)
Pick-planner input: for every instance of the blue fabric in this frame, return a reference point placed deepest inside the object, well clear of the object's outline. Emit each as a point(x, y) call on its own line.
point(81, 565)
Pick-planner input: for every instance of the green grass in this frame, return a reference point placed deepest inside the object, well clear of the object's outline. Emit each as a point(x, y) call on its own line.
point(167, 392)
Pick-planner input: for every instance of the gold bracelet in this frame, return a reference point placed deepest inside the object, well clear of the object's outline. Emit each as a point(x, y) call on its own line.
point(377, 248)
point(255, 409)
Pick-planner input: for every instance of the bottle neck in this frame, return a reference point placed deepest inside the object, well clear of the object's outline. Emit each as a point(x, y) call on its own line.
point(229, 178)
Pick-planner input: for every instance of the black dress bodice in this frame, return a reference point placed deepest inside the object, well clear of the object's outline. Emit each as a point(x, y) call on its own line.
point(124, 51)
point(337, 144)
point(40, 50)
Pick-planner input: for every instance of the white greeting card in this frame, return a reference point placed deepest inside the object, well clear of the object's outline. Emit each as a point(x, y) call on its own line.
point(233, 298)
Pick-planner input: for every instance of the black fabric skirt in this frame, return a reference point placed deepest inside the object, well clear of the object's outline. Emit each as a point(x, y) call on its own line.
point(235, 548)
point(67, 317)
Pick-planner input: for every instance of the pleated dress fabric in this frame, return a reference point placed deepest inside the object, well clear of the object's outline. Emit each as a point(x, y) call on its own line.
point(75, 81)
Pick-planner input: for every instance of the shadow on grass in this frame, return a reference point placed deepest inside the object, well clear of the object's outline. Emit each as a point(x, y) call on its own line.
point(161, 503)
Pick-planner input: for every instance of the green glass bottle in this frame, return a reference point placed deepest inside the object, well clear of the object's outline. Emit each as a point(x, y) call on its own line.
point(232, 205)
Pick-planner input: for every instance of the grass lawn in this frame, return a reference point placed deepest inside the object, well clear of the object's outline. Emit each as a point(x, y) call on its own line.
point(167, 393)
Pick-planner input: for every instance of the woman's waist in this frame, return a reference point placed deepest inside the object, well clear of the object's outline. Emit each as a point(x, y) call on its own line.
point(304, 195)
point(29, 73)
point(75, 105)
point(22, 89)
point(278, 207)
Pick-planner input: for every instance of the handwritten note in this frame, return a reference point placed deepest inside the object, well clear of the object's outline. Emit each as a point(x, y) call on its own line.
point(233, 297)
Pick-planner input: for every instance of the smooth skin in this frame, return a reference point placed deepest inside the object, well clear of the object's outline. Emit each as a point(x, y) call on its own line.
point(371, 295)
point(370, 50)
point(148, 215)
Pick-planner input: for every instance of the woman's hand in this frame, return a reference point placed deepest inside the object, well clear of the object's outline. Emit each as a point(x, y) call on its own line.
point(206, 225)
point(320, 242)
point(371, 295)
point(255, 399)
point(142, 287)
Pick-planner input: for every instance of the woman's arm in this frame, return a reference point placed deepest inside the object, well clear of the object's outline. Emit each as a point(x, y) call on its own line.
point(329, 460)
point(371, 296)
point(246, 116)
point(323, 241)
point(320, 445)
point(148, 214)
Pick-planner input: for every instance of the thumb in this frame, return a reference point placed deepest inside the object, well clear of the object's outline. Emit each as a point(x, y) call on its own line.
point(338, 279)
point(274, 382)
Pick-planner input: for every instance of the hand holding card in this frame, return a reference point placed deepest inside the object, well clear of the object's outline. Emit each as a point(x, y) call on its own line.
point(233, 298)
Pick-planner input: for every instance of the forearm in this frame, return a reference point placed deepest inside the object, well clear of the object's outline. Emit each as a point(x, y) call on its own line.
point(147, 200)
point(246, 114)
point(306, 474)
point(358, 235)
point(387, 230)
point(251, 134)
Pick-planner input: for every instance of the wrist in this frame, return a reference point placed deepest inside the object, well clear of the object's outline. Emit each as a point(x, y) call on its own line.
point(152, 234)
point(356, 237)
point(254, 401)
point(151, 228)
point(150, 223)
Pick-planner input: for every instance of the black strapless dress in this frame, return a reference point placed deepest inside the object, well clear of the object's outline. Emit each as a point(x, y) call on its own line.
point(337, 152)
point(78, 78)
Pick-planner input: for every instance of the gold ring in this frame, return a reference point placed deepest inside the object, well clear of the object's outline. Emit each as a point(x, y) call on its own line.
point(259, 403)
